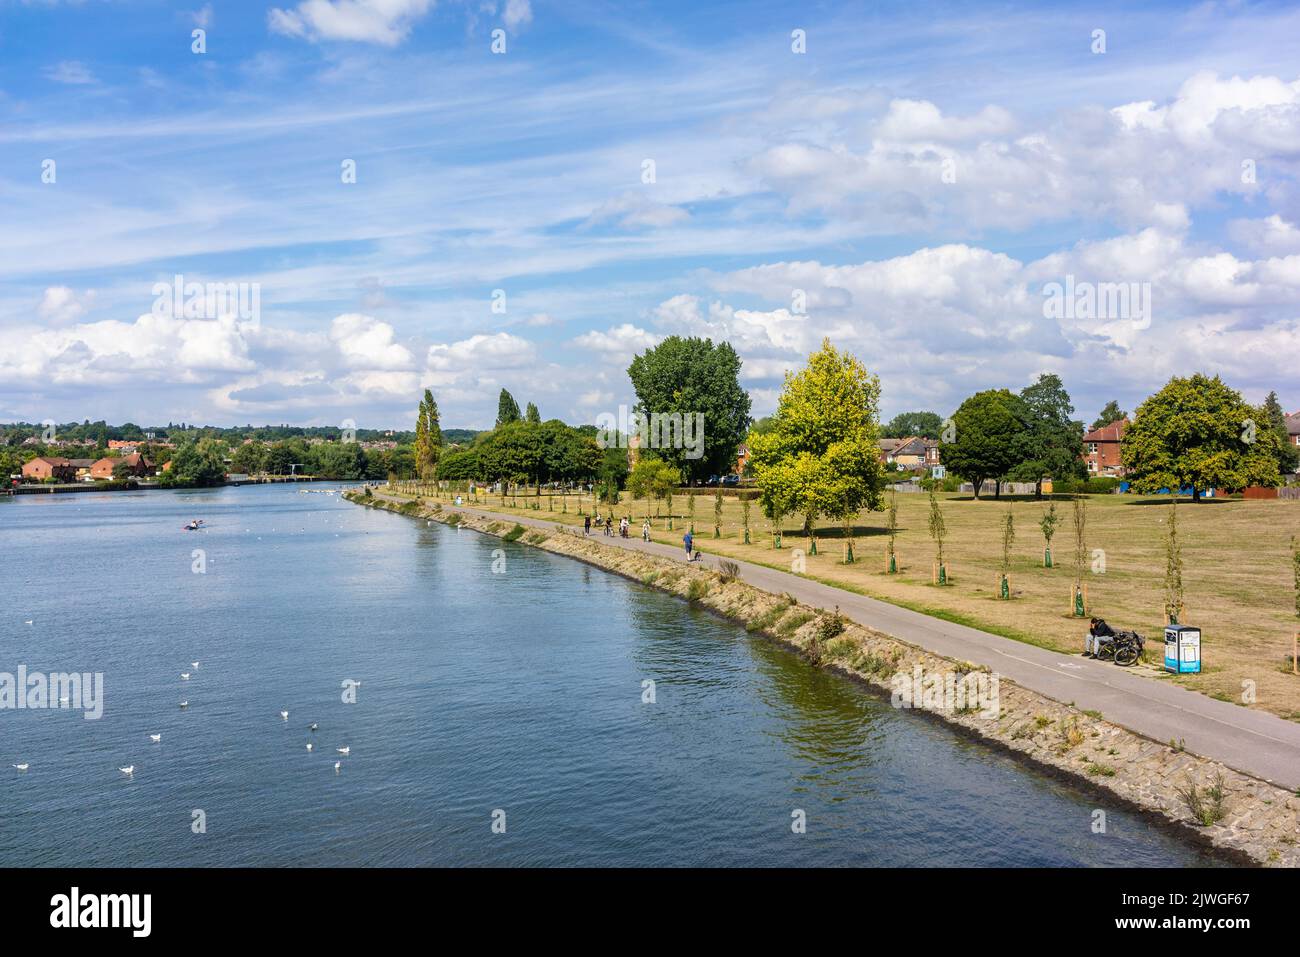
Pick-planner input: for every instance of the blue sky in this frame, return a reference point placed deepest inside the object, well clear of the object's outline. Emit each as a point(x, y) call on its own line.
point(916, 176)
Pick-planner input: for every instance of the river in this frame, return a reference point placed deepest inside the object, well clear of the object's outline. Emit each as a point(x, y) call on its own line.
point(517, 691)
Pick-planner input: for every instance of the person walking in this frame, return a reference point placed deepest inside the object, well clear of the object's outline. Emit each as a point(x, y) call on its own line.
point(688, 540)
point(586, 525)
point(645, 531)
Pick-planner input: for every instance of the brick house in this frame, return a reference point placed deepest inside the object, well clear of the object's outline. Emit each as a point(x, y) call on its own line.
point(1101, 449)
point(913, 452)
point(81, 468)
point(1293, 428)
point(136, 464)
point(47, 467)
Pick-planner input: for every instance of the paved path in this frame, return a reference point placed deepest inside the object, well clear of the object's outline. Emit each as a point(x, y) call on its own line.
point(1255, 742)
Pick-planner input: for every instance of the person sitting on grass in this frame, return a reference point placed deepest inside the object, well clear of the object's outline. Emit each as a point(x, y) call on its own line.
point(1099, 634)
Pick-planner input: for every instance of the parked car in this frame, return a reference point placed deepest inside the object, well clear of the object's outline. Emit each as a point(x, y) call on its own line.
point(732, 479)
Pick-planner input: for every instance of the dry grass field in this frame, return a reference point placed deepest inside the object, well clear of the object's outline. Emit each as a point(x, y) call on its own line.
point(1238, 576)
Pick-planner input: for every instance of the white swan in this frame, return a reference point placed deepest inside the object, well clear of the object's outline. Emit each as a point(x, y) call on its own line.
point(344, 750)
point(185, 676)
point(194, 665)
point(155, 738)
point(128, 770)
point(308, 745)
point(21, 767)
point(185, 704)
point(337, 765)
point(284, 715)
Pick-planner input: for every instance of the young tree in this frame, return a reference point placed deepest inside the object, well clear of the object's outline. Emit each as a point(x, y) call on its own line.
point(1079, 518)
point(987, 430)
point(685, 377)
point(1048, 524)
point(1173, 566)
point(532, 416)
point(938, 532)
point(820, 455)
point(1051, 443)
point(746, 504)
point(1008, 539)
point(891, 529)
point(1112, 413)
point(717, 512)
point(1198, 432)
point(507, 409)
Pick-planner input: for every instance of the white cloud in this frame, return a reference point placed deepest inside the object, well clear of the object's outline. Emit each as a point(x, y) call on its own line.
point(60, 305)
point(482, 352)
point(366, 343)
point(621, 340)
point(517, 13)
point(71, 72)
point(386, 22)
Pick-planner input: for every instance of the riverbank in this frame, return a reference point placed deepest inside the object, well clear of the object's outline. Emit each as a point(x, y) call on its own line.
point(1260, 822)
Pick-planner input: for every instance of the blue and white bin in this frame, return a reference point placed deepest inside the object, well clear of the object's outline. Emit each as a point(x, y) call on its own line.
point(1183, 649)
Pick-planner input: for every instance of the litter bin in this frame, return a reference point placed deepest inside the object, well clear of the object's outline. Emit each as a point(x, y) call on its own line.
point(1183, 649)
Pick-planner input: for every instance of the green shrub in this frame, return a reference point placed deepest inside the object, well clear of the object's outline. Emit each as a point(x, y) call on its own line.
point(831, 626)
point(789, 625)
point(770, 617)
point(1208, 806)
point(697, 589)
point(513, 534)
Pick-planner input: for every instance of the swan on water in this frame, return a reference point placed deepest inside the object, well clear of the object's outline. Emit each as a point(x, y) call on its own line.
point(284, 715)
point(346, 750)
point(20, 767)
point(128, 770)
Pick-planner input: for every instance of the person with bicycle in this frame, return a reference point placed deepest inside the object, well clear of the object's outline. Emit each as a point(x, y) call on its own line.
point(1099, 634)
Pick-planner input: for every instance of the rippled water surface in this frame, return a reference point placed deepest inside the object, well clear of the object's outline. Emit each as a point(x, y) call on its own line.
point(519, 691)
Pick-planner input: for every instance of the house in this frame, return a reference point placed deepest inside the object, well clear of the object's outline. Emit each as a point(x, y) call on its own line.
point(742, 456)
point(136, 465)
point(123, 445)
point(45, 467)
point(1101, 449)
point(81, 468)
point(913, 452)
point(1293, 428)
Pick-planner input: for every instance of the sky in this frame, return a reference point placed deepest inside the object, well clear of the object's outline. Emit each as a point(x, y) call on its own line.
point(466, 196)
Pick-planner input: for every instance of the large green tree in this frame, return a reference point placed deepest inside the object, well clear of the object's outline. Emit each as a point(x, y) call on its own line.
point(689, 376)
point(1275, 419)
point(987, 432)
point(428, 438)
point(507, 409)
point(1111, 413)
point(532, 416)
point(820, 455)
point(907, 424)
point(197, 464)
point(1198, 432)
point(1051, 442)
